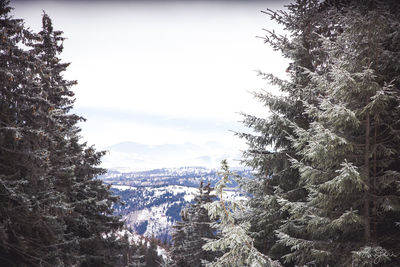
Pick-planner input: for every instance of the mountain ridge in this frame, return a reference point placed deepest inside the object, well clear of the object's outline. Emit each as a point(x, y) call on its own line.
point(132, 156)
point(153, 199)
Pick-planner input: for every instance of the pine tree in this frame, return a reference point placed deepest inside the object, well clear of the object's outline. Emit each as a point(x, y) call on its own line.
point(233, 241)
point(137, 253)
point(89, 222)
point(151, 257)
point(192, 231)
point(270, 151)
point(139, 258)
point(30, 229)
point(178, 241)
point(321, 33)
point(54, 211)
point(349, 154)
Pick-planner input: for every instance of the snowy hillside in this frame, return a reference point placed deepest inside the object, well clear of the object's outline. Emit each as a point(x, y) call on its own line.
point(186, 176)
point(136, 239)
point(153, 199)
point(153, 210)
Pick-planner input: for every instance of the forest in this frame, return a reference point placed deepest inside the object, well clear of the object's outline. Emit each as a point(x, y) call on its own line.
point(326, 159)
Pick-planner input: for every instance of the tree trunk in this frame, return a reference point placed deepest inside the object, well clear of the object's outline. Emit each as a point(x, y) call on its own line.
point(367, 222)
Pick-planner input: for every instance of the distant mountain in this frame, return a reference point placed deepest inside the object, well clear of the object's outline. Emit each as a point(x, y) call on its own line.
point(185, 176)
point(132, 156)
point(153, 210)
point(161, 150)
point(153, 199)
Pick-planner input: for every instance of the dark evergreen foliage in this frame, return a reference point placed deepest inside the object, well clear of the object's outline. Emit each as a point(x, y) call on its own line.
point(270, 151)
point(151, 257)
point(192, 231)
point(53, 209)
point(141, 253)
point(327, 191)
point(327, 159)
point(346, 160)
point(29, 201)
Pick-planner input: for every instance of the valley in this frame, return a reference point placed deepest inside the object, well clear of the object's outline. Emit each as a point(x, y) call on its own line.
point(154, 199)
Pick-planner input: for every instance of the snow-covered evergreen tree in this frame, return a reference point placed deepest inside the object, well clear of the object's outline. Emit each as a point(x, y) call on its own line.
point(315, 132)
point(178, 241)
point(269, 149)
point(54, 211)
point(233, 242)
point(348, 157)
point(88, 221)
point(192, 231)
point(30, 204)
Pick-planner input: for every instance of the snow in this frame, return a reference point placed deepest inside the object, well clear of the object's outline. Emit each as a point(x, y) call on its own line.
point(157, 220)
point(122, 187)
point(146, 208)
point(189, 192)
point(134, 238)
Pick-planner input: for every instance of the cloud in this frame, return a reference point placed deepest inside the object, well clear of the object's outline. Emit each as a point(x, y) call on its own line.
point(160, 120)
point(165, 72)
point(135, 156)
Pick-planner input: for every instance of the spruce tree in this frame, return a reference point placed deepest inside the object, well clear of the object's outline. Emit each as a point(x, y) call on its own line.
point(348, 157)
point(89, 221)
point(191, 233)
point(151, 257)
point(54, 211)
point(30, 204)
point(326, 37)
point(235, 246)
point(269, 150)
point(178, 241)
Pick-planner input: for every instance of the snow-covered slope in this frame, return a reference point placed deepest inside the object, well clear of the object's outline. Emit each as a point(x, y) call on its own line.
point(187, 176)
point(153, 210)
point(153, 199)
point(136, 239)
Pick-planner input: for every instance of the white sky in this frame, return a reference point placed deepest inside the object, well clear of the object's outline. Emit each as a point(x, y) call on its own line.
point(162, 72)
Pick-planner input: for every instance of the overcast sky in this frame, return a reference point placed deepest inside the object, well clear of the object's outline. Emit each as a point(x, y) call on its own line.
point(162, 72)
